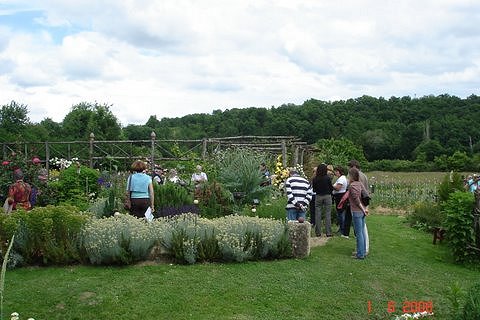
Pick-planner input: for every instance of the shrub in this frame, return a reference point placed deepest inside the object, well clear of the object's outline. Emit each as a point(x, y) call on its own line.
point(268, 208)
point(471, 308)
point(171, 195)
point(451, 182)
point(426, 215)
point(459, 225)
point(238, 171)
point(214, 200)
point(123, 239)
point(74, 186)
point(190, 238)
point(47, 235)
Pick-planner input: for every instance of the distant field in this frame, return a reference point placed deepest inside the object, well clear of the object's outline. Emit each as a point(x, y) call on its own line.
point(400, 190)
point(406, 177)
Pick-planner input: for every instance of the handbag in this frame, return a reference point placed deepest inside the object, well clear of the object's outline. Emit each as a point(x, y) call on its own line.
point(7, 208)
point(343, 201)
point(127, 203)
point(365, 197)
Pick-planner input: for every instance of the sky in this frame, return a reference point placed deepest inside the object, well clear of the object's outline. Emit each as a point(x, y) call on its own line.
point(171, 58)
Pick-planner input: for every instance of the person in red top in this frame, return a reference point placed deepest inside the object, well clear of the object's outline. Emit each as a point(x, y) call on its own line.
point(19, 192)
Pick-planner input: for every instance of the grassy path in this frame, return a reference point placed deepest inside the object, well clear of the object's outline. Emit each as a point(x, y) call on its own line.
point(403, 266)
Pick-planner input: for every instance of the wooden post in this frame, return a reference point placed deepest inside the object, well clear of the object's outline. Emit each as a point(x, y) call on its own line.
point(92, 137)
point(152, 158)
point(204, 149)
point(284, 153)
point(47, 159)
point(295, 159)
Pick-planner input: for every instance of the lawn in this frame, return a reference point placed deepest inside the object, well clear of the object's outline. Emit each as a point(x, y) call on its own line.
point(403, 267)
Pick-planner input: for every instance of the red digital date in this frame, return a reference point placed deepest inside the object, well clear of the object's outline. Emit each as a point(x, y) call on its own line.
point(417, 306)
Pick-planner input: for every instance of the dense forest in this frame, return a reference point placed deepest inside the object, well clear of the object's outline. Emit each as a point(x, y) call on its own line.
point(396, 128)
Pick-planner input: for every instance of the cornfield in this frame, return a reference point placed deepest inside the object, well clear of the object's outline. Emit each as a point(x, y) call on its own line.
point(403, 189)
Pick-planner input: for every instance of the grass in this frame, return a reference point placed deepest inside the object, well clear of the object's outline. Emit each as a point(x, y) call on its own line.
point(403, 266)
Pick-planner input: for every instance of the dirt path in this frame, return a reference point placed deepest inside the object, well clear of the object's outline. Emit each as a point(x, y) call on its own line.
point(318, 241)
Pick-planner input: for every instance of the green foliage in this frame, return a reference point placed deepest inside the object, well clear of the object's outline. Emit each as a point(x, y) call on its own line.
point(459, 225)
point(399, 166)
point(76, 186)
point(339, 151)
point(46, 235)
point(214, 200)
point(255, 290)
point(171, 195)
point(238, 171)
point(454, 296)
point(86, 118)
point(426, 215)
point(451, 182)
point(268, 208)
point(13, 120)
point(471, 308)
point(386, 129)
point(429, 149)
point(459, 161)
point(2, 274)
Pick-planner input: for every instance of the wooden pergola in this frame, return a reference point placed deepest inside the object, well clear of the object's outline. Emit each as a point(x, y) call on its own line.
point(91, 151)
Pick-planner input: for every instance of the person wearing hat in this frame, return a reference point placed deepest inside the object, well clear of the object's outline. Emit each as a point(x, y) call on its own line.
point(19, 192)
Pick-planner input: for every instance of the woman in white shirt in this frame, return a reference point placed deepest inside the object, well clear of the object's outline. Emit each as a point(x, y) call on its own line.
point(198, 177)
point(339, 189)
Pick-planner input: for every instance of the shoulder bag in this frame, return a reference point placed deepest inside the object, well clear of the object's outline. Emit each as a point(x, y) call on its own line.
point(127, 203)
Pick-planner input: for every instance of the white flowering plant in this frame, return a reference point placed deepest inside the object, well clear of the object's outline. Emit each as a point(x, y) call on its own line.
point(416, 315)
point(61, 163)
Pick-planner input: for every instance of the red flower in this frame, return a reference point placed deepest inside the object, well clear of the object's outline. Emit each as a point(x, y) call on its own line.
point(5, 163)
point(36, 160)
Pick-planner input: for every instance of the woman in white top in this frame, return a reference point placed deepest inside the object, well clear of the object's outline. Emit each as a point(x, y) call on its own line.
point(339, 189)
point(198, 177)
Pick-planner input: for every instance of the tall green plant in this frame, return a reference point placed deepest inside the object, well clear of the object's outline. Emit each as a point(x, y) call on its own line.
point(459, 225)
point(238, 171)
point(215, 200)
point(171, 195)
point(2, 275)
point(471, 309)
point(451, 182)
point(47, 235)
point(339, 151)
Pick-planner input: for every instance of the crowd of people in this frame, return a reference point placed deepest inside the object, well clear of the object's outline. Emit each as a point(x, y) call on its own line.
point(328, 187)
point(350, 194)
point(472, 183)
point(140, 191)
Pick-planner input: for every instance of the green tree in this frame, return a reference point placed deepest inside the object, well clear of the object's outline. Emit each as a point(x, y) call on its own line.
point(52, 128)
point(86, 118)
point(429, 148)
point(137, 132)
point(339, 151)
point(13, 121)
point(459, 161)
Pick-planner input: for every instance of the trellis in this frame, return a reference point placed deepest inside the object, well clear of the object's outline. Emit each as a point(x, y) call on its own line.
point(92, 151)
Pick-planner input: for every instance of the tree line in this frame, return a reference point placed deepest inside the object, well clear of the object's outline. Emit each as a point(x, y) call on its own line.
point(398, 128)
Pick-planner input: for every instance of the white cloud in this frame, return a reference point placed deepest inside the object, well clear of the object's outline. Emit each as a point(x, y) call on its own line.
point(171, 58)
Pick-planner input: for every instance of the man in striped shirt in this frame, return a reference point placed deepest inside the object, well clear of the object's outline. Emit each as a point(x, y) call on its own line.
point(299, 193)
